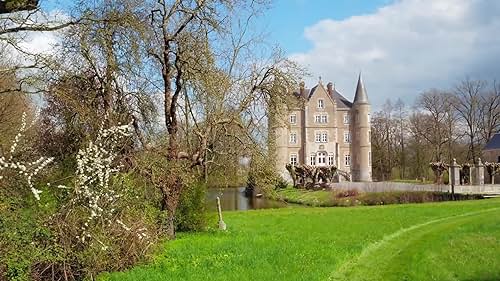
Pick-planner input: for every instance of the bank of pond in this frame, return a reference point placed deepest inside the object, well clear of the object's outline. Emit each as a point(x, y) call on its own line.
point(353, 197)
point(235, 199)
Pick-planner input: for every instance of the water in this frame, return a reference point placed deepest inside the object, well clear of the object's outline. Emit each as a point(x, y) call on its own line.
point(233, 199)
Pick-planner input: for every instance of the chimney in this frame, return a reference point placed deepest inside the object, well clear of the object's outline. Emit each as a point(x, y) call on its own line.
point(302, 87)
point(329, 88)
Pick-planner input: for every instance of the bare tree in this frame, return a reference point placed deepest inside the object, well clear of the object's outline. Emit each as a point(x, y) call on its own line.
point(467, 102)
point(181, 44)
point(434, 121)
point(490, 112)
point(401, 121)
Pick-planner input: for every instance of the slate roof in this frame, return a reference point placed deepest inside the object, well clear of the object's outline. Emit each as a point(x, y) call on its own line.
point(342, 102)
point(494, 143)
point(361, 96)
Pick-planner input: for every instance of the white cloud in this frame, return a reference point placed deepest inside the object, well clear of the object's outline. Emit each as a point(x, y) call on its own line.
point(40, 43)
point(37, 42)
point(407, 47)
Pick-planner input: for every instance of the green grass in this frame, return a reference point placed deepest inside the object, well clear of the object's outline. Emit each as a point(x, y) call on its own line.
point(432, 241)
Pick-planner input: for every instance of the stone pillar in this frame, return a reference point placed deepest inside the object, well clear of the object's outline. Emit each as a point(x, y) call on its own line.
point(479, 169)
point(470, 175)
point(454, 173)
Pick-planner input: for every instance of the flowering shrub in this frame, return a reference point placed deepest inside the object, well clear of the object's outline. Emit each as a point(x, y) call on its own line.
point(81, 227)
point(94, 169)
point(26, 169)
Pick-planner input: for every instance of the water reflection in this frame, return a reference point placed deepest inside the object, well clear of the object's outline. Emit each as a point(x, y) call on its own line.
point(234, 199)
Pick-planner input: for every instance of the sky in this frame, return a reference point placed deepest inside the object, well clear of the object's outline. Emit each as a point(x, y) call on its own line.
point(401, 47)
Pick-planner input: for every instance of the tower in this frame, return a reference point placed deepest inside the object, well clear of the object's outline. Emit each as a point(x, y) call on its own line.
point(361, 167)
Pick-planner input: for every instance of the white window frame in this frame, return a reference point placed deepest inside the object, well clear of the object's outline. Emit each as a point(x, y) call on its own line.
point(293, 138)
point(321, 158)
point(347, 160)
point(331, 159)
point(293, 159)
point(321, 103)
point(321, 118)
point(293, 118)
point(347, 137)
point(324, 137)
point(317, 137)
point(312, 159)
point(347, 118)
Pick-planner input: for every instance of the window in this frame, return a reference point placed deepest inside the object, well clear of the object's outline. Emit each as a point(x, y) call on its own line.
point(317, 137)
point(324, 137)
point(369, 158)
point(331, 160)
point(293, 119)
point(321, 158)
point(293, 159)
point(321, 119)
point(347, 160)
point(347, 137)
point(369, 136)
point(313, 159)
point(347, 119)
point(321, 103)
point(369, 118)
point(321, 137)
point(293, 138)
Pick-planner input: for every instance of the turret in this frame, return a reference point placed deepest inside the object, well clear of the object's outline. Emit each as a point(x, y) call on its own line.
point(361, 167)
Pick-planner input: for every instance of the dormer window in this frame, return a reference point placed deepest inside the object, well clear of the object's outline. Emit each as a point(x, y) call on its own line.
point(321, 104)
point(293, 119)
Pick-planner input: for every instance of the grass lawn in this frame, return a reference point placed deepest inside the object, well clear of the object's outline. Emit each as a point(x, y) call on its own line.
point(432, 241)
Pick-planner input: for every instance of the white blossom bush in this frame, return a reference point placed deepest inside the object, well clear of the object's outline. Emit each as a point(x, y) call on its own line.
point(27, 169)
point(93, 189)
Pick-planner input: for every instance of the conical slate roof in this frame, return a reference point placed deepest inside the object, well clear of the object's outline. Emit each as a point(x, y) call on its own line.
point(361, 96)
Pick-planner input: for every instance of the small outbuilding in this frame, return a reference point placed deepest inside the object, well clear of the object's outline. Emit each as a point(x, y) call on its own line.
point(491, 153)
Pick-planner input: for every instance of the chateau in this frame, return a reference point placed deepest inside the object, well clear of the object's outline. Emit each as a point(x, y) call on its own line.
point(325, 129)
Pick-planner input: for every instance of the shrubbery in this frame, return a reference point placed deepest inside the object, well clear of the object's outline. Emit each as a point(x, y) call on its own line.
point(192, 214)
point(85, 222)
point(352, 197)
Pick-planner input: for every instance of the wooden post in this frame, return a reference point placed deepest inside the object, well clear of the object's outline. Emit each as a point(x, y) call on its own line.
point(222, 224)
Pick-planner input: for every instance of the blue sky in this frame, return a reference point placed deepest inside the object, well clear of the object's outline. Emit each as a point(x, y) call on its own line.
point(286, 20)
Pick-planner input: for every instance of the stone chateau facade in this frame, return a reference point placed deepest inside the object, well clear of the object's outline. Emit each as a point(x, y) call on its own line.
point(325, 129)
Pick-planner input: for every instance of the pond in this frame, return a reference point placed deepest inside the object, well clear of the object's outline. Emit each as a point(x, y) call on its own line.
point(233, 199)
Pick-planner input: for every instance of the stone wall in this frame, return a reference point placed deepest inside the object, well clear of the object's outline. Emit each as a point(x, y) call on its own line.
point(396, 186)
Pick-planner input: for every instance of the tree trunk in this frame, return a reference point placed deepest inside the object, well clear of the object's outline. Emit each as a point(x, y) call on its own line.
point(171, 195)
